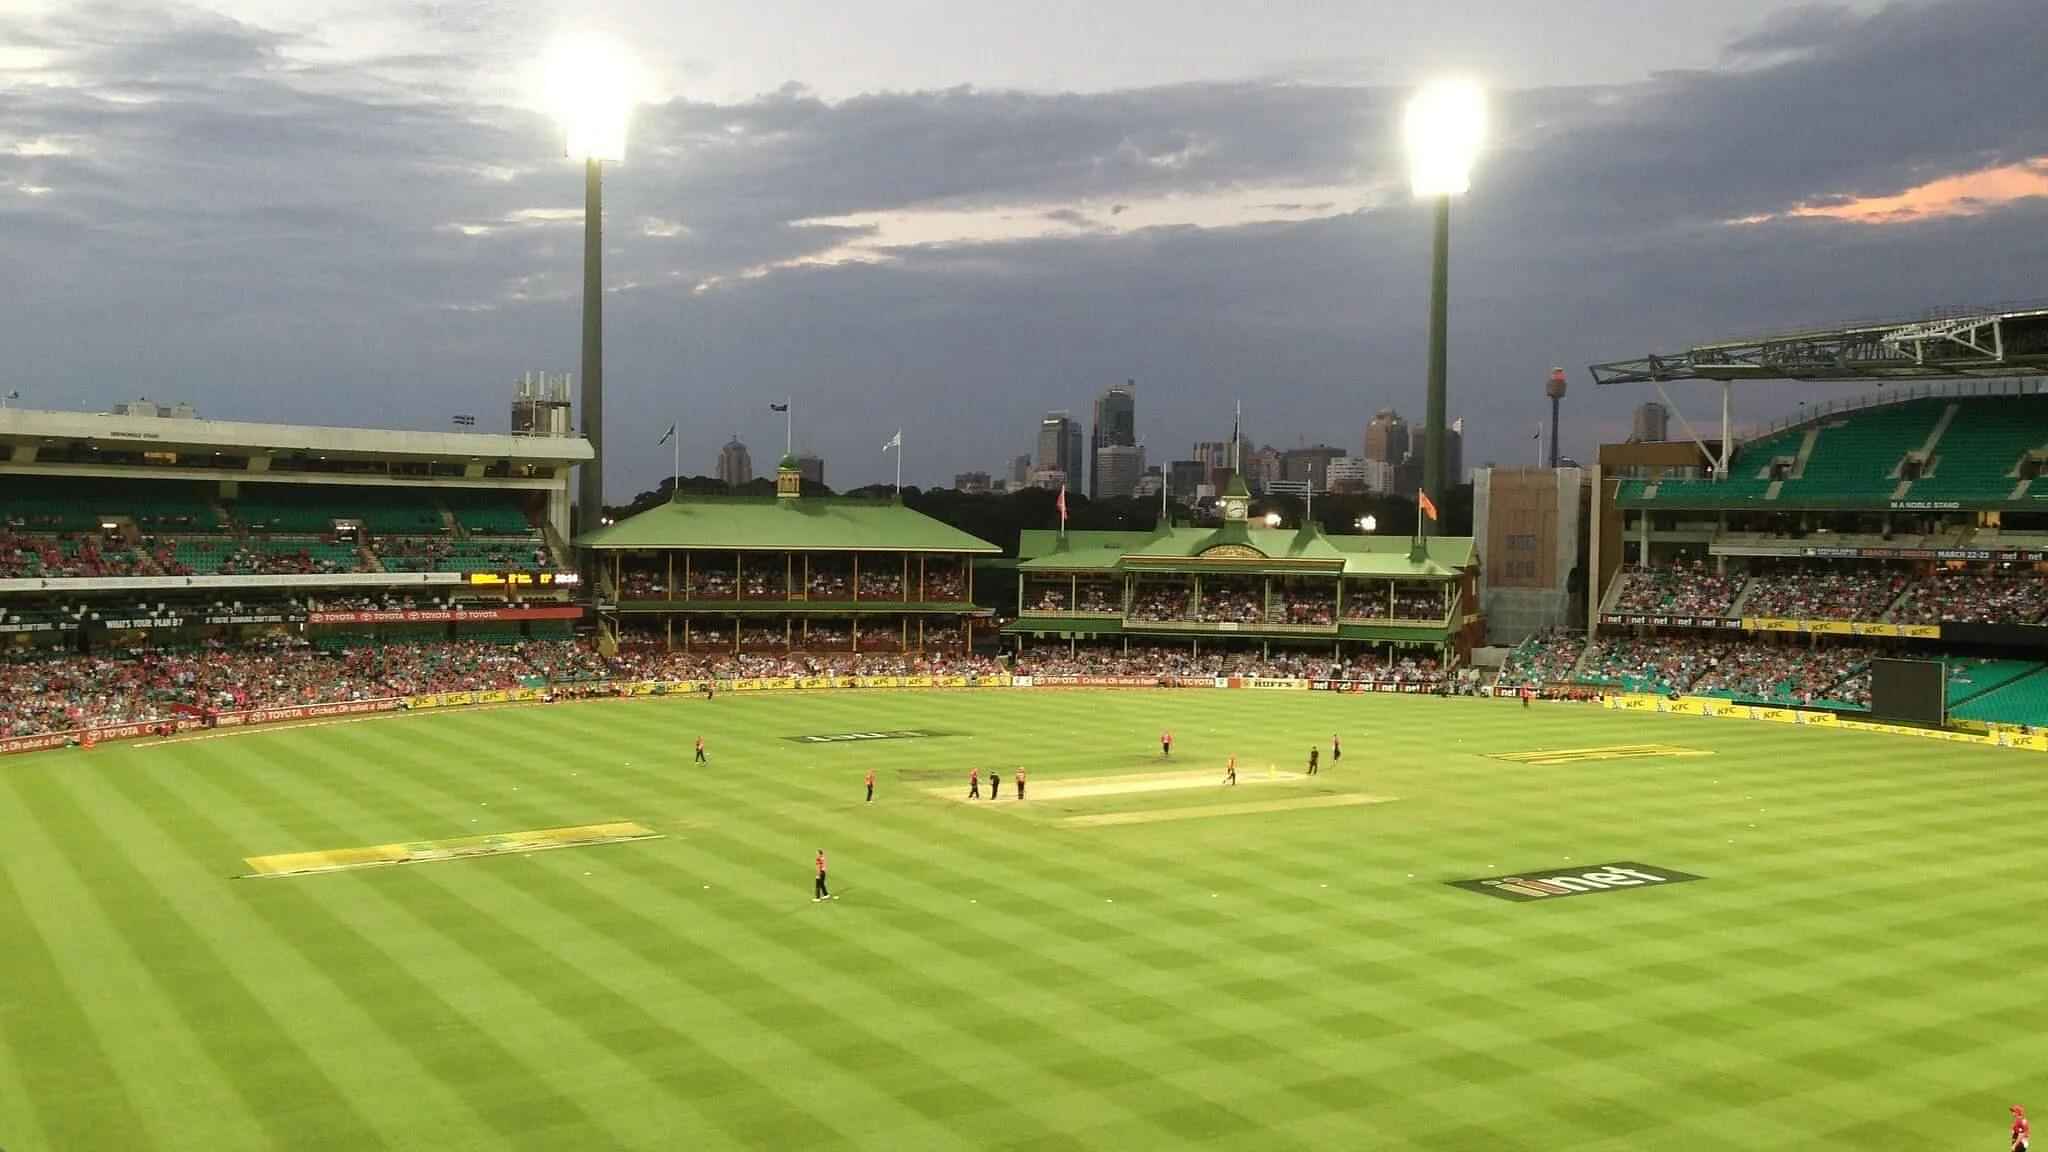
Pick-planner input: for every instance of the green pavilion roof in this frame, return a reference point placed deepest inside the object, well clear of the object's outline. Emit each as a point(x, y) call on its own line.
point(808, 524)
point(1276, 549)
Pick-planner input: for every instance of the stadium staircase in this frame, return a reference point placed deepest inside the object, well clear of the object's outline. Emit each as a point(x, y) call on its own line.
point(1741, 604)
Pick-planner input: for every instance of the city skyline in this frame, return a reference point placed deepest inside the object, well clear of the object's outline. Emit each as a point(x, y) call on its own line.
point(1216, 213)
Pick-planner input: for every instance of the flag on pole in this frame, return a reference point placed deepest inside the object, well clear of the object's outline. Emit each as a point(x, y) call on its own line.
point(895, 441)
point(666, 436)
point(778, 407)
point(1061, 504)
point(1427, 505)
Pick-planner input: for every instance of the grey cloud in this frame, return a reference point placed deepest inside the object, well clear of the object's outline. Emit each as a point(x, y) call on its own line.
point(273, 241)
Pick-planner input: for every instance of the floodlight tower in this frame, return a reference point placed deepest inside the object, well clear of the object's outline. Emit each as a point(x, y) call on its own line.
point(1445, 123)
point(589, 88)
point(1554, 388)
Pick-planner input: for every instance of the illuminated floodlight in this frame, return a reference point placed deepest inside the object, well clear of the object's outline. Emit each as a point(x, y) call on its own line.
point(1272, 519)
point(1445, 126)
point(1368, 523)
point(588, 84)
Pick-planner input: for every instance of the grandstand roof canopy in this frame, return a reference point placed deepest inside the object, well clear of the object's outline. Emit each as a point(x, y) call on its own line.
point(807, 524)
point(238, 438)
point(1995, 341)
point(1236, 548)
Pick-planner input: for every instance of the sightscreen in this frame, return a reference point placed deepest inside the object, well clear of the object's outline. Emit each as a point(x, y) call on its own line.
point(1910, 691)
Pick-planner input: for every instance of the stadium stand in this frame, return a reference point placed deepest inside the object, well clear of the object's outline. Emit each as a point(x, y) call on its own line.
point(1688, 590)
point(1837, 591)
point(1974, 449)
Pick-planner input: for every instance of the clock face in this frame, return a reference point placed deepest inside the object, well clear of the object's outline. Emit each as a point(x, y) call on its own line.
point(1233, 552)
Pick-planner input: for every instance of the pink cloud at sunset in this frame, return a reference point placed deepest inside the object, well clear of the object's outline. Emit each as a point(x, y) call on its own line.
point(1964, 194)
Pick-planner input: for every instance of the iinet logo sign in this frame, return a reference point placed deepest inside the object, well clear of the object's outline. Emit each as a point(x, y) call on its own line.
point(1550, 884)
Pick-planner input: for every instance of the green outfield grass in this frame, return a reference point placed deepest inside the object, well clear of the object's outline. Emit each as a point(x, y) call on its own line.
point(1862, 965)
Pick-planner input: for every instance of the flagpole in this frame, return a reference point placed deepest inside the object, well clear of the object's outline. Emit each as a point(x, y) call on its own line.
point(899, 465)
point(788, 427)
point(676, 477)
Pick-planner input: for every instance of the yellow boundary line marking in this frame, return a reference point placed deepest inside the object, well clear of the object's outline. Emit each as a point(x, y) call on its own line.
point(1164, 815)
point(457, 848)
point(1551, 757)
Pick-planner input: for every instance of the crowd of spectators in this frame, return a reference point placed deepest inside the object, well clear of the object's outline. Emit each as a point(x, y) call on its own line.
point(1226, 601)
point(944, 582)
point(1682, 590)
point(1788, 673)
point(1542, 659)
point(712, 584)
point(72, 556)
point(1981, 596)
point(1170, 661)
point(1368, 600)
point(1751, 668)
point(640, 584)
point(57, 692)
point(1303, 603)
point(1661, 664)
point(1826, 592)
point(411, 553)
point(1419, 603)
point(1161, 600)
point(883, 585)
point(830, 583)
point(764, 581)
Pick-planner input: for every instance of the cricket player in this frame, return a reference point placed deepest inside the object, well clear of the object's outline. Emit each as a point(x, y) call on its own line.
point(974, 783)
point(995, 784)
point(1336, 749)
point(1165, 742)
point(700, 750)
point(1230, 773)
point(821, 892)
point(1312, 753)
point(871, 786)
point(1020, 781)
point(2020, 1131)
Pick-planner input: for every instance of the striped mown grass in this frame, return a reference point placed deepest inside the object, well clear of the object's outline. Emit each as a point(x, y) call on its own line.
point(1860, 965)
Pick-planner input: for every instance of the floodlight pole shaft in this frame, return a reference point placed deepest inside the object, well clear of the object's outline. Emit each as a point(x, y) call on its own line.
point(1439, 339)
point(590, 484)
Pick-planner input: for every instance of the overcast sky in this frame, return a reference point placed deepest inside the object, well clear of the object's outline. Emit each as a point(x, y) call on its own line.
point(953, 216)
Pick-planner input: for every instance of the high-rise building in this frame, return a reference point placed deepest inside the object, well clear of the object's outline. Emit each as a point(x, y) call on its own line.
point(1150, 484)
point(1116, 425)
point(1386, 437)
point(1348, 474)
point(1051, 479)
point(1309, 464)
point(811, 466)
point(1117, 468)
point(1020, 471)
point(971, 482)
point(1652, 424)
point(1059, 443)
point(1184, 476)
point(1454, 449)
point(735, 467)
point(1262, 468)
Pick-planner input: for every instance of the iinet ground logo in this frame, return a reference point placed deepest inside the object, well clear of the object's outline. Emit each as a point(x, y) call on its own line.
point(1550, 884)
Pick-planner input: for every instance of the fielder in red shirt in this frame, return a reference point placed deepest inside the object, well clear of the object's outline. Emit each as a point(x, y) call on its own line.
point(871, 785)
point(1165, 742)
point(974, 783)
point(2020, 1131)
point(1020, 781)
point(700, 750)
point(821, 892)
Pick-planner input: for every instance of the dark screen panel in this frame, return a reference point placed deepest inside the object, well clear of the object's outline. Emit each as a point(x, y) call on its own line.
point(1911, 691)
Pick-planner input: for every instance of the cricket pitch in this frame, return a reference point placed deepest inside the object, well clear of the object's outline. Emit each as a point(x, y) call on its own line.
point(1129, 784)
